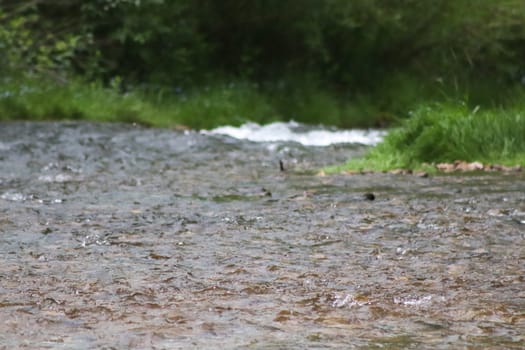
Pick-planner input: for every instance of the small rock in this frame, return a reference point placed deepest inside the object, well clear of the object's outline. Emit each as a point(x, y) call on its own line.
point(369, 196)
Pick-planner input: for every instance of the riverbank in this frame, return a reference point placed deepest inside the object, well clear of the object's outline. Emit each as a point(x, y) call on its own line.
point(234, 102)
point(449, 137)
point(432, 134)
point(200, 107)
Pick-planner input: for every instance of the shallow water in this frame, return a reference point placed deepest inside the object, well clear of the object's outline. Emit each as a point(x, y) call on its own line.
point(114, 236)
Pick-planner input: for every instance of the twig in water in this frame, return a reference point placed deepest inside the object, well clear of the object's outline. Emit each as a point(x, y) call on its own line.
point(281, 165)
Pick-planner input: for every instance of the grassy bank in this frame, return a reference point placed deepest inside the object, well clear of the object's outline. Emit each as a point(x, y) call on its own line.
point(200, 107)
point(433, 133)
point(38, 99)
point(218, 103)
point(221, 102)
point(444, 133)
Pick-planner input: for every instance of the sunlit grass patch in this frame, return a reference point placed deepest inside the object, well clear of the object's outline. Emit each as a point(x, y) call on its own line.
point(442, 133)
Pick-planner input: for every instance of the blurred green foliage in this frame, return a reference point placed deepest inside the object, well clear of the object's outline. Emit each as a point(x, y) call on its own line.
point(162, 41)
point(389, 53)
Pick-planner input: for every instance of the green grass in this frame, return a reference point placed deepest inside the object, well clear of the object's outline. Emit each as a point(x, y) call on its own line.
point(221, 104)
point(302, 98)
point(202, 107)
point(28, 99)
point(447, 132)
point(36, 99)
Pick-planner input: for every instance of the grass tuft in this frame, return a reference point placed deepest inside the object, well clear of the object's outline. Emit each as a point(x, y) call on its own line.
point(445, 133)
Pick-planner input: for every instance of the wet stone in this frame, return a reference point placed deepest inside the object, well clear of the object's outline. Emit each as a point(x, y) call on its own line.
point(116, 236)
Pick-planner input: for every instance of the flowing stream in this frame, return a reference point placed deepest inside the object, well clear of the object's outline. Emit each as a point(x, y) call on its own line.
point(115, 236)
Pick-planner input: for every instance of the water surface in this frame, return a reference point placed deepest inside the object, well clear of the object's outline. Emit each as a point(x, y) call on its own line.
point(114, 236)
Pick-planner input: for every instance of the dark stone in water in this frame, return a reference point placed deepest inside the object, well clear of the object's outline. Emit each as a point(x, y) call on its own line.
point(370, 196)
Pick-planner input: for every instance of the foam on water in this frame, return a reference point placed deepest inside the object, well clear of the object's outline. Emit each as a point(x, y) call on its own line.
point(13, 196)
point(293, 131)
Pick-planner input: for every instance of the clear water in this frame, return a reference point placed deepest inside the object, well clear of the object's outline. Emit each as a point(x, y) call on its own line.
point(113, 236)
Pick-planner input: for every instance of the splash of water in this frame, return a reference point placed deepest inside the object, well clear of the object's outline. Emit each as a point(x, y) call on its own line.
point(296, 132)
